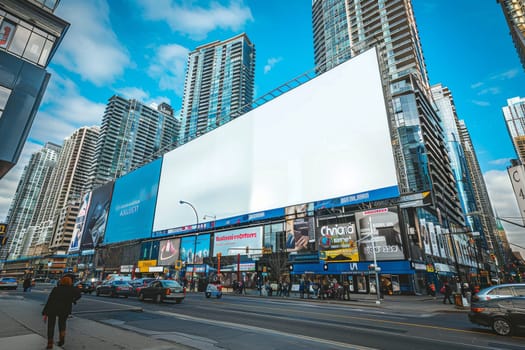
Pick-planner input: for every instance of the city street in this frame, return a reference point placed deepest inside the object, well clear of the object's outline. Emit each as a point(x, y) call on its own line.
point(265, 323)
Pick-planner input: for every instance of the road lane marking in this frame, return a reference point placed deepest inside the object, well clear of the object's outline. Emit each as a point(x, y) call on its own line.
point(263, 330)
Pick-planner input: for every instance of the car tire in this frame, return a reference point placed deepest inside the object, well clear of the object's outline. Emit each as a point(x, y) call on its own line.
point(219, 296)
point(208, 294)
point(141, 296)
point(97, 293)
point(158, 298)
point(501, 326)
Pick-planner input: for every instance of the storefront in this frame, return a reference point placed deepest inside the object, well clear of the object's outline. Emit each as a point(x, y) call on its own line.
point(396, 277)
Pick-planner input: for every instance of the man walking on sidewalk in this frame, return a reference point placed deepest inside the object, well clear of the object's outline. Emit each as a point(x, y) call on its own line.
point(448, 293)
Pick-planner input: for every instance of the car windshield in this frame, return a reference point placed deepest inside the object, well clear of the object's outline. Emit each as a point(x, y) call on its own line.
point(501, 291)
point(170, 284)
point(121, 282)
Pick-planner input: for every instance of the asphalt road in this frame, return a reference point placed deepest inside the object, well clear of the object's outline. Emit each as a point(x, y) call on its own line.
point(233, 322)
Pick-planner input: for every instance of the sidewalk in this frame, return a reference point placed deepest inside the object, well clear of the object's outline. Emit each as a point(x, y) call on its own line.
point(22, 327)
point(401, 303)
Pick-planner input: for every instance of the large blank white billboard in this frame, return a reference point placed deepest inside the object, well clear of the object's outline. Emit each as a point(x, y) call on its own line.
point(325, 139)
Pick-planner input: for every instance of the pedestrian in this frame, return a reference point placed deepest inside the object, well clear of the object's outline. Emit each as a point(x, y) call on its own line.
point(447, 294)
point(27, 284)
point(59, 304)
point(432, 290)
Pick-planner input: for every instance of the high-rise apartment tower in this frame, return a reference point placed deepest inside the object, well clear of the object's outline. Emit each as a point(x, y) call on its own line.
point(131, 135)
point(345, 28)
point(514, 11)
point(219, 85)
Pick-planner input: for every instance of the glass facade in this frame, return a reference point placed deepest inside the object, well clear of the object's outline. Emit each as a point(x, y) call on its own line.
point(219, 85)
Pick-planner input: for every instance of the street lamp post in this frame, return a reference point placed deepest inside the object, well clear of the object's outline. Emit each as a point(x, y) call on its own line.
point(196, 236)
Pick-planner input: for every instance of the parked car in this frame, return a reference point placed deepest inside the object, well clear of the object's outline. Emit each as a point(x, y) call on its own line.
point(114, 289)
point(140, 283)
point(160, 290)
point(86, 286)
point(8, 283)
point(213, 290)
point(500, 291)
point(503, 315)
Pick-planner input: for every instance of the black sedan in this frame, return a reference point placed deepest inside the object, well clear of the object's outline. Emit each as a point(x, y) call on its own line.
point(114, 289)
point(85, 286)
point(161, 290)
point(504, 315)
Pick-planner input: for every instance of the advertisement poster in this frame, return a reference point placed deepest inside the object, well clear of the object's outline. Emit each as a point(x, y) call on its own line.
point(96, 218)
point(7, 30)
point(133, 204)
point(188, 246)
point(379, 229)
point(337, 242)
point(169, 251)
point(433, 239)
point(425, 236)
point(235, 241)
point(76, 237)
point(300, 228)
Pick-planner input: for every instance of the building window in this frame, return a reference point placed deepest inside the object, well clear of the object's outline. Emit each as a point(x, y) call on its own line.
point(24, 40)
point(4, 96)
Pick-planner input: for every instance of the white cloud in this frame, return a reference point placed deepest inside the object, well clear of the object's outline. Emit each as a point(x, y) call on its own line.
point(481, 103)
point(500, 162)
point(90, 47)
point(490, 91)
point(168, 67)
point(476, 85)
point(511, 73)
point(505, 205)
point(272, 61)
point(197, 21)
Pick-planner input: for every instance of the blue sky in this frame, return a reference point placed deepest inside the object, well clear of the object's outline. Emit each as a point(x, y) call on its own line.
point(138, 48)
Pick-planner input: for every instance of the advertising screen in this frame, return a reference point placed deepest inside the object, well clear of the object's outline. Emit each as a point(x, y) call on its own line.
point(169, 251)
point(133, 204)
point(187, 247)
point(235, 241)
point(76, 237)
point(96, 218)
point(326, 138)
point(338, 242)
point(382, 227)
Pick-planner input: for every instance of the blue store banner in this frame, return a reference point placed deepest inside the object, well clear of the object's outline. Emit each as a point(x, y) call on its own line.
point(387, 267)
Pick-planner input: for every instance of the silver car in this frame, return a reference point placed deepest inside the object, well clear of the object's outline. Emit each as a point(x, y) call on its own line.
point(8, 283)
point(500, 291)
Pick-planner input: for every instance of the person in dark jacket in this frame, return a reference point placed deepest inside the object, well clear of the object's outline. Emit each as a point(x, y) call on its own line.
point(448, 293)
point(27, 284)
point(60, 304)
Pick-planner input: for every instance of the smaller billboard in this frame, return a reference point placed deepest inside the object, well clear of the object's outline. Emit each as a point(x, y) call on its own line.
point(299, 227)
point(338, 242)
point(235, 242)
point(379, 235)
point(76, 237)
point(169, 251)
point(96, 218)
point(201, 247)
point(3, 234)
